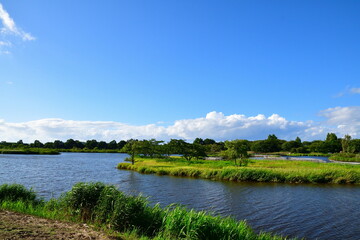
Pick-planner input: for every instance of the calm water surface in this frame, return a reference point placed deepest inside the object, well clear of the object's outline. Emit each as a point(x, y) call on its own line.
point(311, 211)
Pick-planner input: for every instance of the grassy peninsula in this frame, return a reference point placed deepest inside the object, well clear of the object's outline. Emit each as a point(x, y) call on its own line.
point(281, 171)
point(345, 157)
point(111, 210)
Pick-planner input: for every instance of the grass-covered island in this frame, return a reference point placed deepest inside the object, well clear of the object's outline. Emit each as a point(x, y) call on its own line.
point(280, 171)
point(126, 217)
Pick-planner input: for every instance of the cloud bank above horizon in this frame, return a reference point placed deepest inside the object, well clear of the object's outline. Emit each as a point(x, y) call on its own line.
point(215, 125)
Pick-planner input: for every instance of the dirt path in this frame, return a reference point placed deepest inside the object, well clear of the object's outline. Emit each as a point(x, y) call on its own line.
point(19, 226)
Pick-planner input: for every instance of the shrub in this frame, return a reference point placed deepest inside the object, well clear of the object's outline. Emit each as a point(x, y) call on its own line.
point(83, 197)
point(17, 192)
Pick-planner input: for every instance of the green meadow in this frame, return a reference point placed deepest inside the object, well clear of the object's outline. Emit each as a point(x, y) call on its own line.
point(278, 171)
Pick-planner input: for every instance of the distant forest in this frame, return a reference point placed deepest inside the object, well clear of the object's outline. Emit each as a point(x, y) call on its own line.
point(332, 144)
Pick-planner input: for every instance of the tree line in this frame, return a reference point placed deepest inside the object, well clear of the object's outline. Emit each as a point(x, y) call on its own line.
point(201, 147)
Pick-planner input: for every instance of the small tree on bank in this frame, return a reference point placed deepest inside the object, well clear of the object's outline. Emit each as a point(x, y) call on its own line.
point(132, 147)
point(345, 143)
point(237, 149)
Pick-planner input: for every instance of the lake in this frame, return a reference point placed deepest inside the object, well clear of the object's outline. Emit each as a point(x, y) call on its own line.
point(311, 211)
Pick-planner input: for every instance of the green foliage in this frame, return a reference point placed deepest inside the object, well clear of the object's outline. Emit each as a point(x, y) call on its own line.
point(271, 144)
point(153, 148)
point(354, 146)
point(112, 209)
point(345, 143)
point(83, 198)
point(237, 149)
point(180, 223)
point(17, 192)
point(133, 148)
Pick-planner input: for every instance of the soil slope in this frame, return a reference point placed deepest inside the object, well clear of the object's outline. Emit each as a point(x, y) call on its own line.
point(20, 226)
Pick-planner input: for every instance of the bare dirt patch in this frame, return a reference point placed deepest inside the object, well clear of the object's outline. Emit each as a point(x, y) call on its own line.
point(20, 226)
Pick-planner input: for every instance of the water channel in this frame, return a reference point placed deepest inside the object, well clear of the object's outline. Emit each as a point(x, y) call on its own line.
point(310, 211)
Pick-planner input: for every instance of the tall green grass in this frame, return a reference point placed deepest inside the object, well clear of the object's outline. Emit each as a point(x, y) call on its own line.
point(17, 192)
point(108, 207)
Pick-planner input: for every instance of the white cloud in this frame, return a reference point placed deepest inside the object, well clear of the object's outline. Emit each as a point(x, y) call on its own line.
point(355, 90)
point(343, 120)
point(5, 43)
point(9, 32)
point(347, 91)
point(215, 125)
point(9, 26)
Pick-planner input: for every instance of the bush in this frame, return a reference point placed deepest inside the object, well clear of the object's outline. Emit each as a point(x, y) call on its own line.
point(83, 197)
point(17, 192)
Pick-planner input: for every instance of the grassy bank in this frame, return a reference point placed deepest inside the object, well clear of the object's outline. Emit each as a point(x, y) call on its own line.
point(43, 151)
point(345, 157)
point(257, 170)
point(111, 209)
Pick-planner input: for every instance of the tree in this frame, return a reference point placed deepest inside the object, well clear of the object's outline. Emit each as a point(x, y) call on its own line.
point(237, 149)
point(69, 144)
point(49, 145)
point(102, 145)
point(58, 144)
point(318, 146)
point(150, 148)
point(121, 144)
point(37, 144)
point(198, 141)
point(271, 144)
point(132, 147)
point(79, 144)
point(181, 147)
point(91, 144)
point(354, 146)
point(112, 144)
point(291, 145)
point(345, 143)
point(198, 151)
point(209, 141)
point(332, 143)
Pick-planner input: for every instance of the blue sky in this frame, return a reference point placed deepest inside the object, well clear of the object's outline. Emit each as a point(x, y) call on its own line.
point(170, 64)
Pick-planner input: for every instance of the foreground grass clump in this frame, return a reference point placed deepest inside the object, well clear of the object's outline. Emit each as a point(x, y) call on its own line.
point(109, 208)
point(281, 171)
point(17, 192)
point(345, 157)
